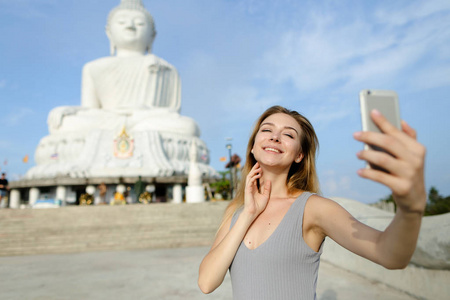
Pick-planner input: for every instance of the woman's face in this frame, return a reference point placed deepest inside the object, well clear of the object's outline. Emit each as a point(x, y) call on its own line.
point(277, 142)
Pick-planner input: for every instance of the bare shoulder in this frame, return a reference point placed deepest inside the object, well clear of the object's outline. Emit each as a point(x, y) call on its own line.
point(316, 205)
point(319, 210)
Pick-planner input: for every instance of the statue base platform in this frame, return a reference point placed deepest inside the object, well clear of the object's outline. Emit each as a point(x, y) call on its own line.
point(104, 153)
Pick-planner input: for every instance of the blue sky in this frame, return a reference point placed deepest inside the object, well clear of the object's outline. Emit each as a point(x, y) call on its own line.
point(237, 58)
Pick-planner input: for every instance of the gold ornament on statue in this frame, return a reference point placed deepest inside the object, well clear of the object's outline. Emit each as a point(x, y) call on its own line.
point(145, 198)
point(86, 199)
point(123, 145)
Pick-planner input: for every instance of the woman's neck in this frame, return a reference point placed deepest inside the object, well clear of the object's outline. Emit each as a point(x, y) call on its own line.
point(278, 180)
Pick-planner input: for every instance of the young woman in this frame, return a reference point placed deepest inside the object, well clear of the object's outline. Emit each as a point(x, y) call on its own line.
point(272, 233)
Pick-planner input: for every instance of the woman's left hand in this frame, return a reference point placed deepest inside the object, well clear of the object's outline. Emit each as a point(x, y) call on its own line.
point(405, 165)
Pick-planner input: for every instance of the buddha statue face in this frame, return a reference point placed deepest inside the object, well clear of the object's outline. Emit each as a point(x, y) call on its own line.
point(130, 30)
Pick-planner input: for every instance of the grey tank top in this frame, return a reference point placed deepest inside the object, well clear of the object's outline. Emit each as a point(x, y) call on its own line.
point(283, 267)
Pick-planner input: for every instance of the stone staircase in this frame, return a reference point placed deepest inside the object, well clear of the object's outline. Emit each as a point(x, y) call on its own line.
point(102, 228)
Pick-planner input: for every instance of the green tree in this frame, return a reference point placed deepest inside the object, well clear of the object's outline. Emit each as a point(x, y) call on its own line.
point(222, 186)
point(436, 203)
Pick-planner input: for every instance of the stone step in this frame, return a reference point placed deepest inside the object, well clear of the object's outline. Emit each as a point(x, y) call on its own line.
point(107, 234)
point(97, 216)
point(110, 240)
point(55, 224)
point(102, 228)
point(110, 246)
point(122, 228)
point(86, 227)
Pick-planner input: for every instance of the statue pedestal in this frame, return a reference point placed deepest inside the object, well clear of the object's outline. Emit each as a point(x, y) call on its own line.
point(104, 153)
point(195, 194)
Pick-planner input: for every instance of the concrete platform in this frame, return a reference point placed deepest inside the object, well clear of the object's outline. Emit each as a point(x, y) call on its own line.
point(148, 274)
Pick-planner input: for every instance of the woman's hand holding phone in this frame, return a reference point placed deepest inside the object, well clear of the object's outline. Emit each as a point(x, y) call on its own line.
point(405, 165)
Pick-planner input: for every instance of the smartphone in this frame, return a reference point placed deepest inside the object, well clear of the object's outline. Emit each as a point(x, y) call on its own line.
point(386, 102)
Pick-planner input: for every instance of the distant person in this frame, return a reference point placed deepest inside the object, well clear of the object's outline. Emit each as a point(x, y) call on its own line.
point(101, 194)
point(3, 188)
point(139, 188)
point(272, 234)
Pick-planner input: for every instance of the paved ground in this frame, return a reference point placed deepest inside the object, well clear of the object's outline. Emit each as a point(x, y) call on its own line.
point(150, 274)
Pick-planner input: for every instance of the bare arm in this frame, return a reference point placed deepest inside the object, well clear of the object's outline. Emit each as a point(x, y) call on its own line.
point(394, 247)
point(215, 265)
point(391, 248)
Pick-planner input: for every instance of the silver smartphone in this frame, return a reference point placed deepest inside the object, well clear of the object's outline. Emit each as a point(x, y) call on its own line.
point(386, 102)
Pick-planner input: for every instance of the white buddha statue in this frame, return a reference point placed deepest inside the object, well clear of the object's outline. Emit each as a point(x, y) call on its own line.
point(131, 93)
point(131, 86)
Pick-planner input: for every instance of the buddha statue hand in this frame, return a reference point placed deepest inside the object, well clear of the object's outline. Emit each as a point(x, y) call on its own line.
point(56, 116)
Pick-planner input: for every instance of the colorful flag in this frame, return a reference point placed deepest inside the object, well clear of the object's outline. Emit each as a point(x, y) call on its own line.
point(54, 156)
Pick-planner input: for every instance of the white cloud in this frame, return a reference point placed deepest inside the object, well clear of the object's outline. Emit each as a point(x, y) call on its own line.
point(246, 99)
point(333, 184)
point(322, 52)
point(383, 67)
point(325, 114)
point(415, 10)
point(356, 52)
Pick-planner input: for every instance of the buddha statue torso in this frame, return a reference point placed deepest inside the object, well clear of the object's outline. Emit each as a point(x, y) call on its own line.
point(140, 82)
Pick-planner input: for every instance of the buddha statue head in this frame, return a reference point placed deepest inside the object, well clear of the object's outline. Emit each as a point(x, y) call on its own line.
point(130, 27)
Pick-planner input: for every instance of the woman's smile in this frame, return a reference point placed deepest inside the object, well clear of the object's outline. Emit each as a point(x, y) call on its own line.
point(272, 149)
point(277, 141)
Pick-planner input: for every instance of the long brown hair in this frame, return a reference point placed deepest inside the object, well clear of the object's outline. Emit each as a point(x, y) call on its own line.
point(301, 177)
